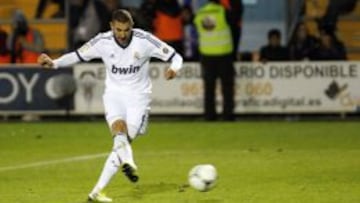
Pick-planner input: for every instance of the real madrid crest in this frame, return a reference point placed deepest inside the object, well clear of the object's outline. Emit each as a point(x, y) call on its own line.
point(136, 55)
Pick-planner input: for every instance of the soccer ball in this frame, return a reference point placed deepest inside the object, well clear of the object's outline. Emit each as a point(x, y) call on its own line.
point(202, 177)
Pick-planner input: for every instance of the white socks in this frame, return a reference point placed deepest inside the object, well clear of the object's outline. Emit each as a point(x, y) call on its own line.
point(123, 149)
point(111, 167)
point(122, 153)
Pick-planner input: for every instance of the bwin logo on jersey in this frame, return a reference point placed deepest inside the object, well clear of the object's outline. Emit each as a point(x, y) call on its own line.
point(125, 70)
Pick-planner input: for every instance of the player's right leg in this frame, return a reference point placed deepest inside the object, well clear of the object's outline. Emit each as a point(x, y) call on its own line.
point(99, 197)
point(121, 154)
point(120, 157)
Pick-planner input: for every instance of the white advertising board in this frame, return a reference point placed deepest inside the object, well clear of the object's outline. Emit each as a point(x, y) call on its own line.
point(290, 87)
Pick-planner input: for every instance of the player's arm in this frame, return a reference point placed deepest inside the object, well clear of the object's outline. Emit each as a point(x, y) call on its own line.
point(164, 52)
point(85, 53)
point(175, 66)
point(65, 60)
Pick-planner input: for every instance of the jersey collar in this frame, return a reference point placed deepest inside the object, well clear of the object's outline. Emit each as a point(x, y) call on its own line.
point(122, 46)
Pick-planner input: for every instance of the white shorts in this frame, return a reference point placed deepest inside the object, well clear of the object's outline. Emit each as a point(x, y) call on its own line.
point(133, 109)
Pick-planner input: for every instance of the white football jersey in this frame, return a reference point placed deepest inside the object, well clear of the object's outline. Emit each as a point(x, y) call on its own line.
point(127, 68)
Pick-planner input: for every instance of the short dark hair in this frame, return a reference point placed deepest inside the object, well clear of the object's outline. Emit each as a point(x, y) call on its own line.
point(123, 16)
point(274, 33)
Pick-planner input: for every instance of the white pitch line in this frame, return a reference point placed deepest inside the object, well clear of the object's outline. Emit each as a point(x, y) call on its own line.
point(52, 162)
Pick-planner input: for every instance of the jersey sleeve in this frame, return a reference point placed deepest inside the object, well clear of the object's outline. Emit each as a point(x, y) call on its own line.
point(160, 49)
point(89, 50)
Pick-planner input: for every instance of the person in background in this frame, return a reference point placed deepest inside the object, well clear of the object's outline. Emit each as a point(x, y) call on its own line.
point(334, 10)
point(329, 48)
point(274, 51)
point(25, 43)
point(216, 49)
point(88, 17)
point(60, 13)
point(4, 52)
point(168, 24)
point(302, 44)
point(147, 12)
point(190, 42)
point(235, 10)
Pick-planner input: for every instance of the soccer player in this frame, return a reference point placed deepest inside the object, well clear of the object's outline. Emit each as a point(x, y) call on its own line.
point(126, 52)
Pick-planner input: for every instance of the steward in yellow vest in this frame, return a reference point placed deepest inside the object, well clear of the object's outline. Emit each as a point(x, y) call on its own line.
point(213, 30)
point(216, 58)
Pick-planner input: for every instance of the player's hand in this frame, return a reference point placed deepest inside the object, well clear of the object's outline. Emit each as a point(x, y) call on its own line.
point(170, 74)
point(45, 61)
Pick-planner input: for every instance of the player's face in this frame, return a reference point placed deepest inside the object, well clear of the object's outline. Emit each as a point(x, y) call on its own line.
point(122, 31)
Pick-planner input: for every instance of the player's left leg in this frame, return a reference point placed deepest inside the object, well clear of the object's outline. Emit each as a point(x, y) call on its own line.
point(137, 108)
point(137, 115)
point(136, 123)
point(123, 149)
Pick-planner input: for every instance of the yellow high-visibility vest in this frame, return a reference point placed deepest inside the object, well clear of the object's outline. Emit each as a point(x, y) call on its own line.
point(213, 30)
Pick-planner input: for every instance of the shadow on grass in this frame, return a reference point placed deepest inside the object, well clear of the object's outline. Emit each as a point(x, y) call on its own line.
point(140, 191)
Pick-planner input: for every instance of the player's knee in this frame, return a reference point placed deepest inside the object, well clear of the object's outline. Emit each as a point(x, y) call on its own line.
point(118, 126)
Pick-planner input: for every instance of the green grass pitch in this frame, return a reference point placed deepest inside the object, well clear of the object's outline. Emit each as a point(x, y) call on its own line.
point(256, 161)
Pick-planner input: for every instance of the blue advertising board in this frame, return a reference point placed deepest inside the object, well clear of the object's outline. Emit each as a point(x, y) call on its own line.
point(34, 89)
